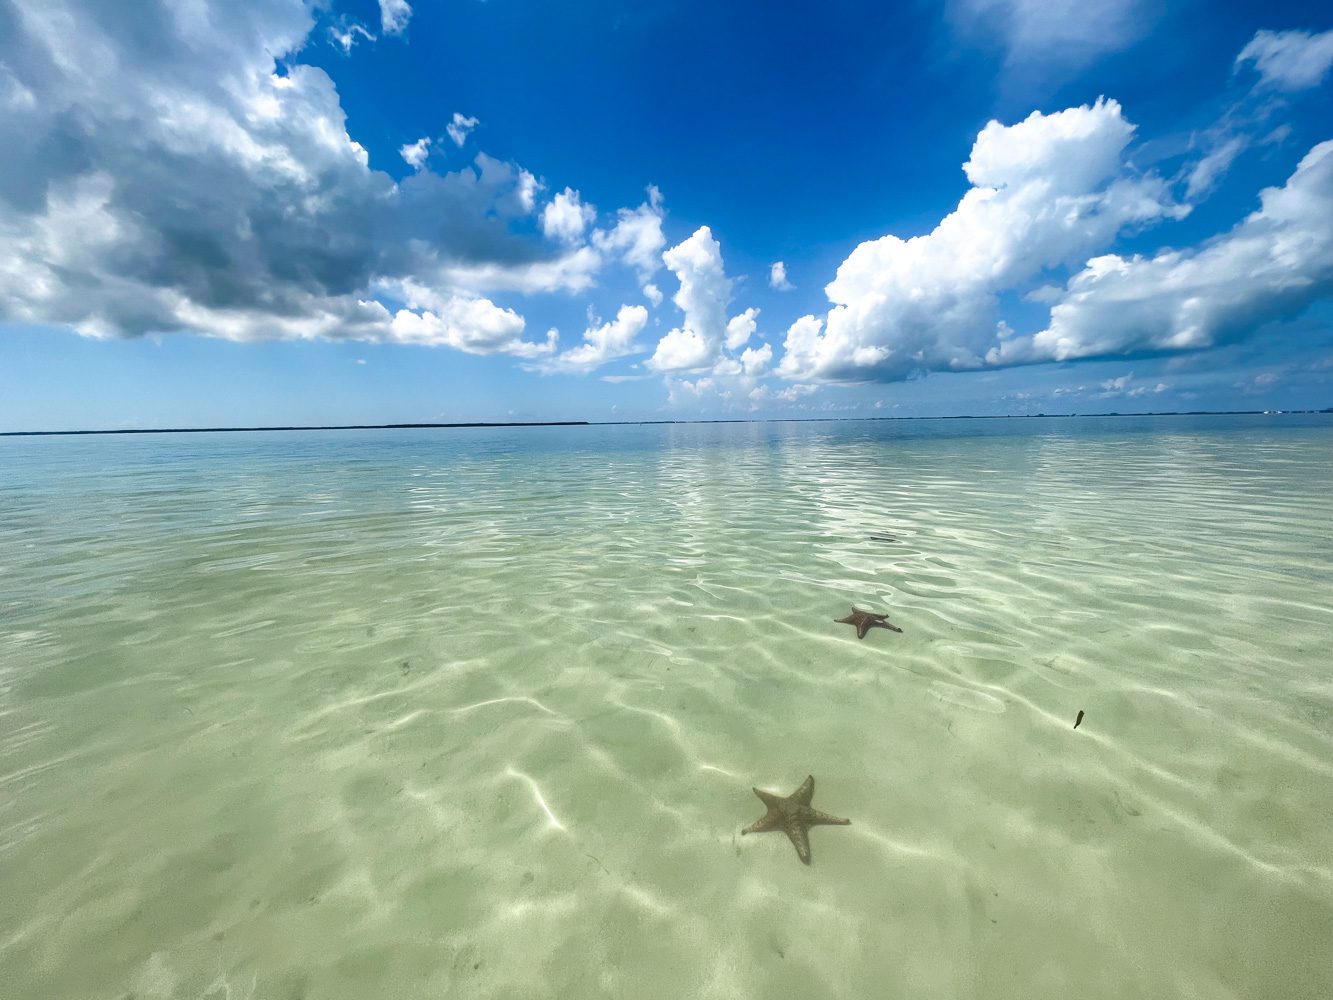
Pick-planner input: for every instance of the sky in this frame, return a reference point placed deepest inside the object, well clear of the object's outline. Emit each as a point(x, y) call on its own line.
point(259, 212)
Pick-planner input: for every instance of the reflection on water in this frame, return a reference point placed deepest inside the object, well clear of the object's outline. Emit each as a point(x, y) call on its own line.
point(477, 713)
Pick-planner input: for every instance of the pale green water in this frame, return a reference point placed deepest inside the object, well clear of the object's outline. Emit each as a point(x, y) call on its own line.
point(477, 713)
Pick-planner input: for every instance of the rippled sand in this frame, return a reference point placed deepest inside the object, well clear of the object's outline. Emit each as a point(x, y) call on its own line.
point(477, 713)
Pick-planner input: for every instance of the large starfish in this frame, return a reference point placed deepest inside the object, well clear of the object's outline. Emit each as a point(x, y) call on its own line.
point(865, 621)
point(794, 816)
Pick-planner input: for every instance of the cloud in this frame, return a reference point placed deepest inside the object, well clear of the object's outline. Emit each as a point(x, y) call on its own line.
point(1045, 193)
point(565, 217)
point(1269, 267)
point(679, 389)
point(460, 128)
point(637, 236)
point(757, 361)
point(415, 153)
point(1262, 383)
point(344, 34)
point(777, 277)
point(704, 293)
point(394, 15)
point(788, 394)
point(477, 326)
point(573, 271)
point(727, 368)
point(741, 328)
point(528, 186)
point(1208, 170)
point(1062, 33)
point(653, 294)
point(802, 347)
point(1121, 386)
point(1117, 384)
point(1289, 60)
point(238, 206)
point(602, 343)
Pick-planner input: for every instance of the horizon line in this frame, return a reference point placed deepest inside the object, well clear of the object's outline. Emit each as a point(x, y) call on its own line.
point(629, 423)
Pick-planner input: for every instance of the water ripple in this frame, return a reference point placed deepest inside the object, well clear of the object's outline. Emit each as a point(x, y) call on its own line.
point(422, 714)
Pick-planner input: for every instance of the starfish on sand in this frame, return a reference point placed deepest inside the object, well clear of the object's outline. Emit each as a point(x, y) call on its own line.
point(793, 816)
point(865, 621)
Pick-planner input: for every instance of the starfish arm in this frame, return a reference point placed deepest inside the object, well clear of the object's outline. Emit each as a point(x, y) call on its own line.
point(890, 626)
point(768, 798)
point(771, 820)
point(800, 840)
point(814, 817)
point(862, 627)
point(806, 792)
point(764, 825)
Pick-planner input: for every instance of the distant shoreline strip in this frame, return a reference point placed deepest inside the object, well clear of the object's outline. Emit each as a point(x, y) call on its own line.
point(293, 427)
point(636, 423)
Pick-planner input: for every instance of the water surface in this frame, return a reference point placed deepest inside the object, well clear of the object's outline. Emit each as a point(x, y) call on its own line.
point(477, 713)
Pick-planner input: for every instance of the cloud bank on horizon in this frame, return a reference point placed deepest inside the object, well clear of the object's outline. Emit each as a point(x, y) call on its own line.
point(188, 173)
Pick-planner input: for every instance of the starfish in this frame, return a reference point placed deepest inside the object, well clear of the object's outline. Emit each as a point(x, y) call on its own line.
point(794, 816)
point(865, 621)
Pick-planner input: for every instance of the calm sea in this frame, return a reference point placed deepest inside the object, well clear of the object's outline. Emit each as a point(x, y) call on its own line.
point(477, 713)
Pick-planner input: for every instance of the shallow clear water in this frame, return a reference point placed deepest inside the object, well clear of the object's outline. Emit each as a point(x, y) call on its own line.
point(477, 713)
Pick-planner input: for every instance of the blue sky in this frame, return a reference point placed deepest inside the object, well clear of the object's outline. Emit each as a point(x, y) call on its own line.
point(278, 212)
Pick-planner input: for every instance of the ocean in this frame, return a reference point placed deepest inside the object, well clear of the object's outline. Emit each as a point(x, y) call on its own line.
point(477, 712)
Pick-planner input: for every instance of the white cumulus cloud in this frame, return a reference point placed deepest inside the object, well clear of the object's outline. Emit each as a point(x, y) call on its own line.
point(415, 153)
point(705, 291)
point(755, 361)
point(1045, 193)
point(601, 343)
point(565, 217)
point(741, 328)
point(1271, 266)
point(637, 236)
point(460, 127)
point(777, 277)
point(477, 326)
point(238, 206)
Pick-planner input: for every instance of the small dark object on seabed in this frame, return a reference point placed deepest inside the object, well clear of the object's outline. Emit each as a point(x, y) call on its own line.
point(864, 621)
point(1079, 719)
point(882, 538)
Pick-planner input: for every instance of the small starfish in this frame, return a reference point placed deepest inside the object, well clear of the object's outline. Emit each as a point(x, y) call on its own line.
point(794, 816)
point(865, 621)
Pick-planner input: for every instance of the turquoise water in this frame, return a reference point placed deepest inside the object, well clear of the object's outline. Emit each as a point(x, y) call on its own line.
point(477, 713)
